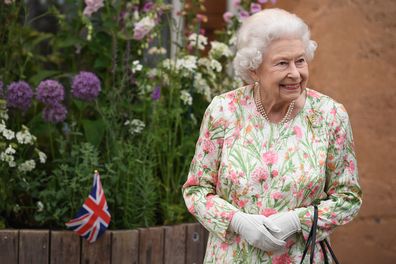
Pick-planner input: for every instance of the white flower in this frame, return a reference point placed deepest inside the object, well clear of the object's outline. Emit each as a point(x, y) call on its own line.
point(10, 150)
point(215, 65)
point(40, 206)
point(24, 136)
point(152, 73)
point(42, 156)
point(219, 49)
point(155, 50)
point(189, 63)
point(8, 158)
point(186, 97)
point(8, 134)
point(198, 41)
point(27, 166)
point(202, 87)
point(168, 64)
point(135, 126)
point(136, 66)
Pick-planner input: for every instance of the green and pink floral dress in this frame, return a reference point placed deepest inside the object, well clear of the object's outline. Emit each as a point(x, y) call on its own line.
point(242, 162)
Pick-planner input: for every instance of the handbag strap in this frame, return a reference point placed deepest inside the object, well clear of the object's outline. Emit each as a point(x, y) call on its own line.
point(311, 241)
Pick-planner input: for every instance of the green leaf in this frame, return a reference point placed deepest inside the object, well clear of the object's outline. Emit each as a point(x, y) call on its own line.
point(35, 79)
point(94, 131)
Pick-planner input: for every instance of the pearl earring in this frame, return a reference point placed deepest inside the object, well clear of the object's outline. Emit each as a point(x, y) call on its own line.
point(256, 83)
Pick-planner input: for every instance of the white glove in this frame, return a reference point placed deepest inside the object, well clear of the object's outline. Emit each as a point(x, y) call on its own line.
point(255, 230)
point(288, 222)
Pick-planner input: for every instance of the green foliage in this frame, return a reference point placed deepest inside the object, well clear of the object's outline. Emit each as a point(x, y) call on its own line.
point(141, 142)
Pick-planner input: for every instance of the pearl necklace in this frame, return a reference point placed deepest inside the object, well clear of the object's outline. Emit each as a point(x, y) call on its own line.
point(261, 109)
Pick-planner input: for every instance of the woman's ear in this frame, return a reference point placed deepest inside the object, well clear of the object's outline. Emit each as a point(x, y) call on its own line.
point(253, 75)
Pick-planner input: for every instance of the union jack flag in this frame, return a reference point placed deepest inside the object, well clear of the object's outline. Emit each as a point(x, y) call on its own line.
point(93, 217)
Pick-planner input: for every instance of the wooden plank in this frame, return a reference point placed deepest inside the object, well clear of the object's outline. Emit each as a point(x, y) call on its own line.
point(151, 245)
point(175, 244)
point(65, 247)
point(98, 252)
point(125, 247)
point(195, 251)
point(33, 246)
point(9, 246)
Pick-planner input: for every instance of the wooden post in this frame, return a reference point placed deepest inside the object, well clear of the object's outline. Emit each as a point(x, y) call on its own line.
point(65, 247)
point(125, 247)
point(33, 246)
point(175, 244)
point(97, 252)
point(195, 243)
point(151, 245)
point(9, 246)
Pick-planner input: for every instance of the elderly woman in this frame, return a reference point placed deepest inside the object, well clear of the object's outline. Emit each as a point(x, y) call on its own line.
point(270, 150)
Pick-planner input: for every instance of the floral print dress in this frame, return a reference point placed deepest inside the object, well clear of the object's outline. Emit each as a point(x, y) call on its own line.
point(243, 162)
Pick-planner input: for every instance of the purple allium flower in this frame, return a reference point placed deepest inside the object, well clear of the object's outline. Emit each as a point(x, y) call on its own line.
point(254, 8)
point(19, 95)
point(156, 94)
point(55, 113)
point(86, 86)
point(227, 16)
point(148, 6)
point(50, 92)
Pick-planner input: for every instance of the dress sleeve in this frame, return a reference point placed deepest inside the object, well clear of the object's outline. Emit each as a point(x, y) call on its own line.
point(344, 195)
point(199, 191)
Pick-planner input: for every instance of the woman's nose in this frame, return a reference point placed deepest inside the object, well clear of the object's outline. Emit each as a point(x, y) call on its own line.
point(293, 71)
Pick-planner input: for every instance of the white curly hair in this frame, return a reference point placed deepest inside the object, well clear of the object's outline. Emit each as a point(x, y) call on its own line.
point(257, 32)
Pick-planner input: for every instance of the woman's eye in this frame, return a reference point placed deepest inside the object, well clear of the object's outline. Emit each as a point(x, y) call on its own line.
point(301, 61)
point(282, 63)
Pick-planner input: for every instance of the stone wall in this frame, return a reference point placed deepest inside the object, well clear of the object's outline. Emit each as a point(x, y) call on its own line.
point(355, 64)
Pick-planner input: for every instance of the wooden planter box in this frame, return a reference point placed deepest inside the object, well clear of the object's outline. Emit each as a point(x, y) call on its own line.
point(183, 243)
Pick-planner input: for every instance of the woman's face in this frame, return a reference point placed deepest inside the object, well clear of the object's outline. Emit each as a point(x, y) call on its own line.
point(283, 73)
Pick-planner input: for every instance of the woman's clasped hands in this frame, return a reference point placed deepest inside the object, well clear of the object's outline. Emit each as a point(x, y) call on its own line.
point(256, 230)
point(266, 233)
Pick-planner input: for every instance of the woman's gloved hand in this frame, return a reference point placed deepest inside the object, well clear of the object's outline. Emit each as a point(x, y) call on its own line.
point(255, 229)
point(288, 223)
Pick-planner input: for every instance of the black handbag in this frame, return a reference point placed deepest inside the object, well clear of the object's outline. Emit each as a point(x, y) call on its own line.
point(311, 242)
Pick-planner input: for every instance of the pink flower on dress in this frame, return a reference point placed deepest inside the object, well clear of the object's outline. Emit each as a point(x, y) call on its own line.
point(276, 195)
point(351, 166)
point(282, 259)
point(224, 246)
point(191, 181)
point(260, 174)
point(297, 131)
point(313, 93)
point(268, 211)
point(209, 202)
point(234, 177)
point(208, 146)
point(270, 157)
point(274, 173)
